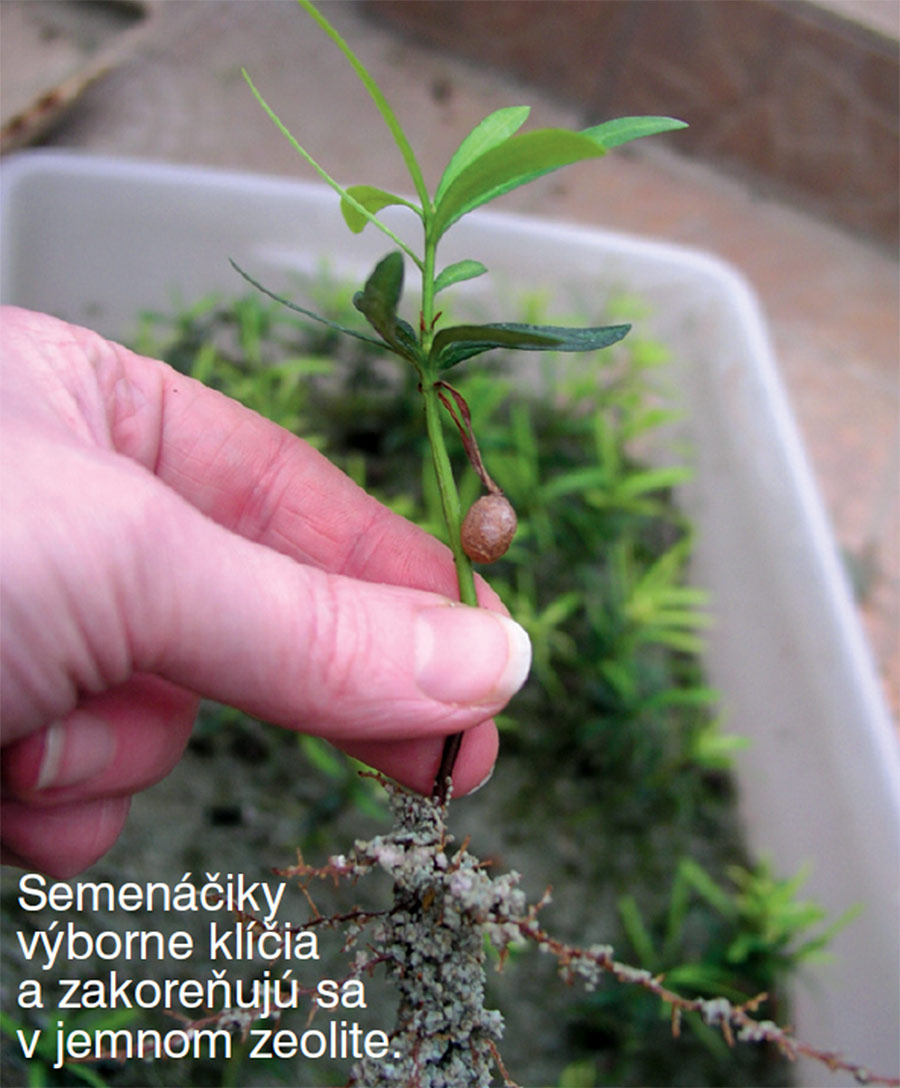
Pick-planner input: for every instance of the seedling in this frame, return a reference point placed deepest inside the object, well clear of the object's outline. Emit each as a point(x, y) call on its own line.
point(492, 160)
point(445, 904)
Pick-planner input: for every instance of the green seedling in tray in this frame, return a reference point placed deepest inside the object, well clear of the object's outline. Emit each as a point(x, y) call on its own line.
point(492, 160)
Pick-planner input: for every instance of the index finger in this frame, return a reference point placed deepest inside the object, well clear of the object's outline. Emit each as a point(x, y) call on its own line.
point(258, 479)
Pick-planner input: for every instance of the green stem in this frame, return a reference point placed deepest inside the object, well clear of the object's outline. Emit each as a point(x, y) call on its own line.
point(428, 287)
point(464, 573)
point(325, 176)
point(449, 495)
point(446, 483)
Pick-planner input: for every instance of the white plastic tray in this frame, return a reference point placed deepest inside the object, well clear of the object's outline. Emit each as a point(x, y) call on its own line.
point(96, 240)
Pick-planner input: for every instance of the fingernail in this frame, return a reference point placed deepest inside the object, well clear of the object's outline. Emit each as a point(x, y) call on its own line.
point(482, 783)
point(470, 655)
point(74, 750)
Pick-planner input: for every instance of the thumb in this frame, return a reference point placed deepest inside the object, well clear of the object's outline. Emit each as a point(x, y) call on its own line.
point(127, 577)
point(345, 659)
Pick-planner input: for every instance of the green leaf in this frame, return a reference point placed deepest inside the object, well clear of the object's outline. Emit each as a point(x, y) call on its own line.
point(704, 885)
point(456, 273)
point(375, 93)
point(705, 978)
point(486, 135)
point(323, 757)
point(373, 200)
point(636, 931)
point(714, 751)
point(380, 296)
point(623, 129)
point(580, 1074)
point(653, 479)
point(515, 162)
point(320, 170)
point(459, 342)
point(574, 482)
point(301, 310)
point(378, 301)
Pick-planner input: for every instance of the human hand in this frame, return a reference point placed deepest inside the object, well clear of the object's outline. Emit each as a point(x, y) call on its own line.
point(162, 543)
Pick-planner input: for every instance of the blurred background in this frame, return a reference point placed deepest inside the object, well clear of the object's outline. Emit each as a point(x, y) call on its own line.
point(789, 169)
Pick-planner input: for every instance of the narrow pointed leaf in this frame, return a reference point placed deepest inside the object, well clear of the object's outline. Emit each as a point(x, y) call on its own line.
point(622, 129)
point(453, 345)
point(487, 134)
point(323, 174)
point(516, 161)
point(378, 301)
point(306, 313)
point(654, 480)
point(373, 200)
point(375, 93)
point(456, 273)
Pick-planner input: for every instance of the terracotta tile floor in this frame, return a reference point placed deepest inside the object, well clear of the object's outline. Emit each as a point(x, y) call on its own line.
point(831, 300)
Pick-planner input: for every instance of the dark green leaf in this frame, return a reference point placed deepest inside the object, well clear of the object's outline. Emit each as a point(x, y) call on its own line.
point(453, 345)
point(456, 273)
point(378, 303)
point(622, 129)
point(487, 134)
point(373, 200)
point(301, 310)
point(379, 297)
point(515, 162)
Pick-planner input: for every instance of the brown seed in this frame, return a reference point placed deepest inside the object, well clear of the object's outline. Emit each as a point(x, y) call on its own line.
point(488, 528)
